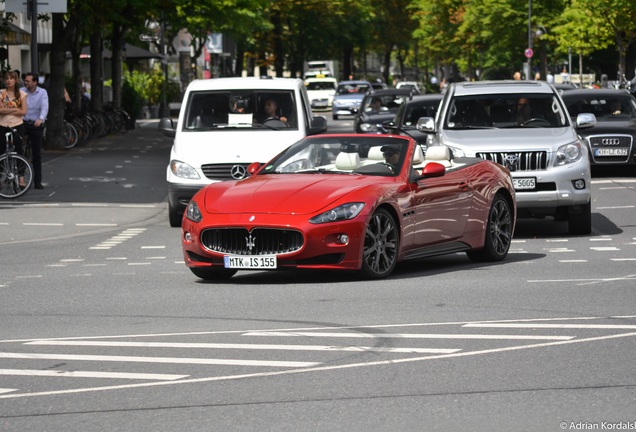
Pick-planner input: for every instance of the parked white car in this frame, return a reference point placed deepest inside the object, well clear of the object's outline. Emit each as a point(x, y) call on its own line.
point(223, 127)
point(321, 92)
point(525, 126)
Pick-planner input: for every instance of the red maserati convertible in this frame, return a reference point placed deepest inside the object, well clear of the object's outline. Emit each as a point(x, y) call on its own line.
point(350, 202)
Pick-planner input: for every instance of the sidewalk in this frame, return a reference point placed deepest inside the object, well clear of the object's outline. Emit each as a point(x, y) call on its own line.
point(122, 168)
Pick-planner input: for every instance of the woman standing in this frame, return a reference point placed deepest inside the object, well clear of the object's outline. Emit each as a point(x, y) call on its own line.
point(13, 106)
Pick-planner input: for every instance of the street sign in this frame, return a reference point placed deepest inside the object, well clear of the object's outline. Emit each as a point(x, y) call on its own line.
point(529, 53)
point(48, 6)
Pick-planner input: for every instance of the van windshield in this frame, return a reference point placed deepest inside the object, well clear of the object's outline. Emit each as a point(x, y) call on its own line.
point(241, 110)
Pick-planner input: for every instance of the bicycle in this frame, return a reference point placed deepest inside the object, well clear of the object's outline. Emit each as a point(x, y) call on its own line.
point(16, 173)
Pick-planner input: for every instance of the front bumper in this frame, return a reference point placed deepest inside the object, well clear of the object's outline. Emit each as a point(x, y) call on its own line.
point(179, 195)
point(320, 250)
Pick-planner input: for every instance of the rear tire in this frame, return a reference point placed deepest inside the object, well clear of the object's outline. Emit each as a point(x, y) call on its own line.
point(580, 222)
point(498, 233)
point(213, 273)
point(335, 117)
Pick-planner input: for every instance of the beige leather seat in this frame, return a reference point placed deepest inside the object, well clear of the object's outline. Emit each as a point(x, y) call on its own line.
point(347, 161)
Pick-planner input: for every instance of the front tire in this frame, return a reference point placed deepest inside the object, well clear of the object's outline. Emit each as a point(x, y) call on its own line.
point(381, 245)
point(580, 222)
point(174, 217)
point(498, 232)
point(212, 273)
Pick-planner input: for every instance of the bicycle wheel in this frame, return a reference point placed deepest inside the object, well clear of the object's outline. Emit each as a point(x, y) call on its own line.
point(16, 176)
point(70, 135)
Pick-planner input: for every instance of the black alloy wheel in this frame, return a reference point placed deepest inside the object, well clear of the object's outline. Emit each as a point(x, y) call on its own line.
point(498, 232)
point(381, 245)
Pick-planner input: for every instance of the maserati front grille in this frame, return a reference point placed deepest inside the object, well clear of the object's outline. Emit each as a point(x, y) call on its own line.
point(259, 241)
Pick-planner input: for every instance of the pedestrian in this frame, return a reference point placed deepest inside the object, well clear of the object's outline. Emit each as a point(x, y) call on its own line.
point(34, 118)
point(13, 106)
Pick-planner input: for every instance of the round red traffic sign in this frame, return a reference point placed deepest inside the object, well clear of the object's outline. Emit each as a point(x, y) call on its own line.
point(529, 53)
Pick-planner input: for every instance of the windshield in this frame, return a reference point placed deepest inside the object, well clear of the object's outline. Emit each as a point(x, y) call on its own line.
point(353, 88)
point(321, 85)
point(384, 104)
point(505, 111)
point(341, 155)
point(241, 110)
point(604, 107)
point(415, 110)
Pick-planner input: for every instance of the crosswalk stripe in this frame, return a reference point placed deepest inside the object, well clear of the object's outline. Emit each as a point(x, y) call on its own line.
point(552, 326)
point(408, 335)
point(91, 374)
point(245, 346)
point(175, 360)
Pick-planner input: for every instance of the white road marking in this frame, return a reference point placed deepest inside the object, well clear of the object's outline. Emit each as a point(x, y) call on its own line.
point(153, 247)
point(553, 326)
point(7, 390)
point(245, 346)
point(96, 224)
point(406, 335)
point(321, 368)
point(171, 360)
point(622, 259)
point(91, 374)
point(601, 239)
point(42, 224)
point(612, 279)
point(604, 249)
point(615, 207)
point(573, 261)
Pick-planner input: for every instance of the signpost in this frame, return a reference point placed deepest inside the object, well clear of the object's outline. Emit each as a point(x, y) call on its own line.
point(31, 8)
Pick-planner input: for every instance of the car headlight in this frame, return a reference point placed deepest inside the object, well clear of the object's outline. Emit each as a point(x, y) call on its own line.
point(183, 170)
point(567, 154)
point(343, 212)
point(367, 127)
point(193, 213)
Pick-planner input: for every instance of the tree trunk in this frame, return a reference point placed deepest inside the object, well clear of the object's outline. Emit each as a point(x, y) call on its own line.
point(117, 42)
point(97, 70)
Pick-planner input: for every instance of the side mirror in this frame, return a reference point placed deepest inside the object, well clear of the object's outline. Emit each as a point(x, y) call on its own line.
point(585, 120)
point(425, 124)
point(318, 125)
point(253, 168)
point(432, 169)
point(167, 127)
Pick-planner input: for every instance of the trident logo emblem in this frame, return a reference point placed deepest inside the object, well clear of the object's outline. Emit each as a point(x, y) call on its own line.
point(250, 242)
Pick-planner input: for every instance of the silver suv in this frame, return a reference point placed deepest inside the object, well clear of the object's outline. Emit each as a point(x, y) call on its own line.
point(524, 126)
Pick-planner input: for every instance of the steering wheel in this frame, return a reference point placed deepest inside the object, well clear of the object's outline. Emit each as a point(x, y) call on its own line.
point(536, 120)
point(274, 123)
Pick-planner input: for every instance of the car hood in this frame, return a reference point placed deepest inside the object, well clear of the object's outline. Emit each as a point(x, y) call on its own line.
point(232, 146)
point(320, 93)
point(612, 127)
point(349, 97)
point(281, 193)
point(520, 139)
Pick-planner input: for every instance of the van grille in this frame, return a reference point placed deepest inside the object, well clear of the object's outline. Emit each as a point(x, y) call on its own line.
point(225, 171)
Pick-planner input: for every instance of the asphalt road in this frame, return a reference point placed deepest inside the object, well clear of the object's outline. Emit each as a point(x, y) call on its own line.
point(103, 327)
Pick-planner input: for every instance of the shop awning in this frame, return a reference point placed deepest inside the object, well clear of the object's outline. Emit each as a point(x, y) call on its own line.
point(11, 34)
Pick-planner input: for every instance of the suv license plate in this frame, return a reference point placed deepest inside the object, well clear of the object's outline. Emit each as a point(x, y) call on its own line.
point(524, 183)
point(264, 262)
point(621, 151)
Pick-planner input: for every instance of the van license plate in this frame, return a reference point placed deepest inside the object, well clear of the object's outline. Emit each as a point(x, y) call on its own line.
point(264, 262)
point(524, 183)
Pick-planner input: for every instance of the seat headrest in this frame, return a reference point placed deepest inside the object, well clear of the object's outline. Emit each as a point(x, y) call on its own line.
point(438, 153)
point(418, 156)
point(375, 153)
point(347, 161)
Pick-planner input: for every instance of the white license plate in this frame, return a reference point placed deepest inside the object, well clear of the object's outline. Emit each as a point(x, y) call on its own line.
point(611, 152)
point(250, 262)
point(524, 183)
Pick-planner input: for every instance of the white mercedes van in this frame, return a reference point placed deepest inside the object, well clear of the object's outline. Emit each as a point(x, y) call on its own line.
point(223, 127)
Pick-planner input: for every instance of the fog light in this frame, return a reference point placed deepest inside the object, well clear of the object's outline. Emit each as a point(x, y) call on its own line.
point(187, 237)
point(579, 184)
point(343, 239)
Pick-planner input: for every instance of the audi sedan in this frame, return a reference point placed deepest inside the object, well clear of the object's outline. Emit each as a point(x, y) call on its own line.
point(355, 202)
point(611, 140)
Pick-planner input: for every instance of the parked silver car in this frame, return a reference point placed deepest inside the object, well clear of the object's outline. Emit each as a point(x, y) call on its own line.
point(524, 126)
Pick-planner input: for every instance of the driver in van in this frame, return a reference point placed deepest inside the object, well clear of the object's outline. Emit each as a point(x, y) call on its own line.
point(270, 107)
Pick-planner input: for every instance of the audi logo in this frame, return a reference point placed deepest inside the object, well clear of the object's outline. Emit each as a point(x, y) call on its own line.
point(610, 141)
point(238, 172)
